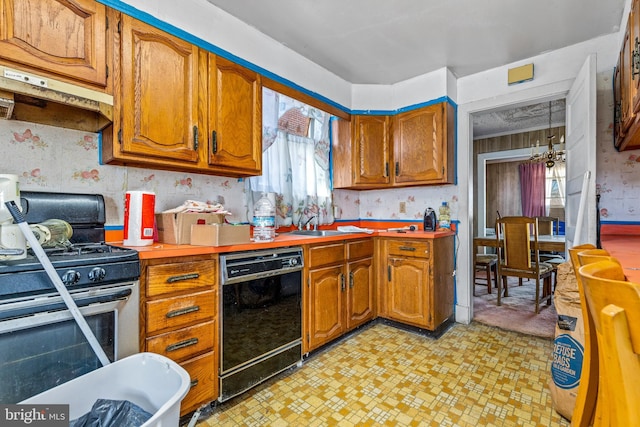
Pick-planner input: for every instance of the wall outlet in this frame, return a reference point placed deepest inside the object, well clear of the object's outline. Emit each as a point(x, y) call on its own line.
point(403, 207)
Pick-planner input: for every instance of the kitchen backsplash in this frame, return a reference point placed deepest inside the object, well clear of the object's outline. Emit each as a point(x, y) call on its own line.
point(61, 160)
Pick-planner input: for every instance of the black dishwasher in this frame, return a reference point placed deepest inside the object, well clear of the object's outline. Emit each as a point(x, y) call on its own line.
point(261, 312)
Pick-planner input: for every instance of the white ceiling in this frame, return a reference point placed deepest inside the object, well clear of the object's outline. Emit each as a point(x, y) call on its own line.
point(388, 41)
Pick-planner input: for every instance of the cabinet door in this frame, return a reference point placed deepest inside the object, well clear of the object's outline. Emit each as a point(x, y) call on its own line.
point(634, 24)
point(628, 87)
point(360, 292)
point(326, 307)
point(235, 118)
point(420, 145)
point(370, 150)
point(408, 293)
point(159, 99)
point(63, 37)
point(618, 135)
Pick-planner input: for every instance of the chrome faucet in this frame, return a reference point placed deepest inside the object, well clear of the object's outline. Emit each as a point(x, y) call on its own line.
point(306, 223)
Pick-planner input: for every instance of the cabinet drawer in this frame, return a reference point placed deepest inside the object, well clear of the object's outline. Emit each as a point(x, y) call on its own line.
point(204, 386)
point(326, 255)
point(415, 248)
point(176, 277)
point(180, 311)
point(359, 249)
point(184, 343)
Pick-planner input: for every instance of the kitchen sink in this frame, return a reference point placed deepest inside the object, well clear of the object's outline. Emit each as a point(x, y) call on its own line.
point(317, 233)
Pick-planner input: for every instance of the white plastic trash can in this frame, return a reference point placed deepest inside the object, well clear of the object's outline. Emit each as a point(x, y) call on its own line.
point(154, 382)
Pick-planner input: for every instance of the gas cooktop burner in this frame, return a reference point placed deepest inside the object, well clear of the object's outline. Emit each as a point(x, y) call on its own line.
point(82, 249)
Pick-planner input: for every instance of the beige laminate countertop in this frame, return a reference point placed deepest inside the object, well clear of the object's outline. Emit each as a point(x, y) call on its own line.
point(165, 250)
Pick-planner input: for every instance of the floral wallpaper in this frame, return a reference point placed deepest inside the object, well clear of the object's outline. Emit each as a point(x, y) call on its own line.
point(61, 160)
point(52, 159)
point(618, 173)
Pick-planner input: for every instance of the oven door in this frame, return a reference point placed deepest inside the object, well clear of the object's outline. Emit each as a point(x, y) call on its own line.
point(43, 347)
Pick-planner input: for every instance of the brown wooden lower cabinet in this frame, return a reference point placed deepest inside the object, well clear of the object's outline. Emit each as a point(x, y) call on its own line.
point(416, 281)
point(203, 371)
point(339, 290)
point(179, 319)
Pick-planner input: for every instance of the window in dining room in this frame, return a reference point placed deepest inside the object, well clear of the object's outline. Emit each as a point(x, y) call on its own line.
point(555, 191)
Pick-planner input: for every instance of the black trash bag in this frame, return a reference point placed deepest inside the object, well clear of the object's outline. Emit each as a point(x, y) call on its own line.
point(112, 413)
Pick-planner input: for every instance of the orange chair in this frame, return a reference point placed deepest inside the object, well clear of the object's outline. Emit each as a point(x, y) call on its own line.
point(586, 400)
point(584, 409)
point(614, 305)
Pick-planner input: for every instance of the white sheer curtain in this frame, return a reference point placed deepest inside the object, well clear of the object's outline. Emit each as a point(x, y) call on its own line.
point(294, 167)
point(555, 189)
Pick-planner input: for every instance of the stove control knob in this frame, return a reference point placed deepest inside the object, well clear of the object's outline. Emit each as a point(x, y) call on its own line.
point(97, 274)
point(71, 277)
point(293, 262)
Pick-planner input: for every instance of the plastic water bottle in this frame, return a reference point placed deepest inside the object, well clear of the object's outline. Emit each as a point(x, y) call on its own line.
point(445, 216)
point(264, 220)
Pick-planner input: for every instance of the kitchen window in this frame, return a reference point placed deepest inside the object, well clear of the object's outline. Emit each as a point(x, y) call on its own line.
point(295, 161)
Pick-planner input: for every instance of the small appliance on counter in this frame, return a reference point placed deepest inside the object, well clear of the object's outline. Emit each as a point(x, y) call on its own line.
point(12, 242)
point(430, 220)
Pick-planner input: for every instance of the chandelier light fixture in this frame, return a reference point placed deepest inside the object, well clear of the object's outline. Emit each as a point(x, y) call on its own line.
point(551, 156)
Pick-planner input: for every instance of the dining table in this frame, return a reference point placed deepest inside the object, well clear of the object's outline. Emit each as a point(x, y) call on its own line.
point(550, 243)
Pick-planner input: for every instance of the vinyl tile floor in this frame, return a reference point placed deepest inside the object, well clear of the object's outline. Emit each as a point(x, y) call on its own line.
point(473, 375)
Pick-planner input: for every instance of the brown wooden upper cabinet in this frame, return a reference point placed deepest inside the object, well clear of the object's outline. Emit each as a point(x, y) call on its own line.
point(57, 38)
point(179, 107)
point(407, 149)
point(235, 118)
point(158, 97)
point(626, 84)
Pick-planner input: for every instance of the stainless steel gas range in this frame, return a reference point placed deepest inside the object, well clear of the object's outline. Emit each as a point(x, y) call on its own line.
point(40, 344)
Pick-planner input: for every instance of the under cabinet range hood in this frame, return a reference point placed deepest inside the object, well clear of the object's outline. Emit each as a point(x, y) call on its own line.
point(29, 97)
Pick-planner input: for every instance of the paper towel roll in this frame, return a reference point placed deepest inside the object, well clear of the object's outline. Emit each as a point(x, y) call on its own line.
point(139, 218)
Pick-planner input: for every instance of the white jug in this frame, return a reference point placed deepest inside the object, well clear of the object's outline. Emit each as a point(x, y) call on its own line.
point(9, 190)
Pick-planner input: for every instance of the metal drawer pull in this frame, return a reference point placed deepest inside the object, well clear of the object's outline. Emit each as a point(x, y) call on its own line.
point(182, 344)
point(407, 248)
point(193, 383)
point(182, 311)
point(188, 276)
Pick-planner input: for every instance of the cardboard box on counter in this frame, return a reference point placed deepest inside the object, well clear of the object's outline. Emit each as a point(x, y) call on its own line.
point(175, 228)
point(220, 234)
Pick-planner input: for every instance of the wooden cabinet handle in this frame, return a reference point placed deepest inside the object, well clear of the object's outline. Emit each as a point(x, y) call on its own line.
point(195, 138)
point(342, 287)
point(351, 280)
point(214, 142)
point(182, 344)
point(193, 383)
point(183, 311)
point(188, 276)
point(407, 248)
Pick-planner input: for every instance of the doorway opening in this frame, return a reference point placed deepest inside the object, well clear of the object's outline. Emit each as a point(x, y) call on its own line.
point(502, 140)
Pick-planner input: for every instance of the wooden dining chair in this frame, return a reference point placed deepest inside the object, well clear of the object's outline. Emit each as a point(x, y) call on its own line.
point(489, 264)
point(550, 226)
point(614, 304)
point(517, 243)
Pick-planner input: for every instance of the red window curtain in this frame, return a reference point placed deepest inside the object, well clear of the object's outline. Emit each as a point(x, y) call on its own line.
point(532, 185)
